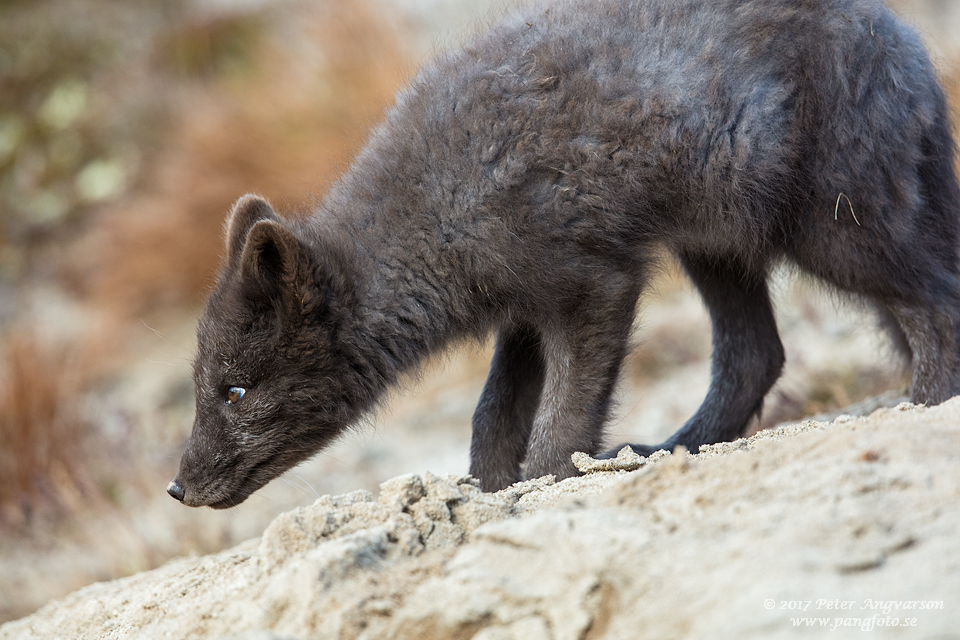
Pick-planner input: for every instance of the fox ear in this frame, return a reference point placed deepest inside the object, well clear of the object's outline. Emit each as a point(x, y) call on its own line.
point(248, 211)
point(273, 261)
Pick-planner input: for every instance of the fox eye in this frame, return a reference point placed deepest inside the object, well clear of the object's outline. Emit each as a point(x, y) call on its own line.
point(235, 394)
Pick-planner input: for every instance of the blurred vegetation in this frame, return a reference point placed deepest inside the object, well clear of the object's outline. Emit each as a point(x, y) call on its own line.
point(73, 126)
point(127, 129)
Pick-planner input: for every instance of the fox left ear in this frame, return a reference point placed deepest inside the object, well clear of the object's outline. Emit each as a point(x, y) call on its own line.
point(248, 211)
point(273, 261)
point(278, 272)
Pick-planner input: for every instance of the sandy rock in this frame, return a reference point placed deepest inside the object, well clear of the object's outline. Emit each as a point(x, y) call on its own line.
point(627, 460)
point(846, 526)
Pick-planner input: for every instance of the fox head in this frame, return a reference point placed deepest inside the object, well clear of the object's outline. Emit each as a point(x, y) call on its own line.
point(272, 383)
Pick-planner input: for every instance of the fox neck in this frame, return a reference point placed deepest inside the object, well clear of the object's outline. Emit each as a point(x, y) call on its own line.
point(413, 295)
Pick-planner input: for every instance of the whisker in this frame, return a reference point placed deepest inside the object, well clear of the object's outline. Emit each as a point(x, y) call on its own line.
point(158, 333)
point(165, 337)
point(169, 364)
point(302, 492)
point(308, 484)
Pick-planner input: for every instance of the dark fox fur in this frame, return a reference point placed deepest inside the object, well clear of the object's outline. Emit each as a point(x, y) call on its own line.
point(522, 186)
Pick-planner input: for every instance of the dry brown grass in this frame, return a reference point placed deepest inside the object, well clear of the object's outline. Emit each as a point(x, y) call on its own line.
point(42, 437)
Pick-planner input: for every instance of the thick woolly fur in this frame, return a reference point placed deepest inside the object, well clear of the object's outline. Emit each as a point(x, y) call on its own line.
point(523, 185)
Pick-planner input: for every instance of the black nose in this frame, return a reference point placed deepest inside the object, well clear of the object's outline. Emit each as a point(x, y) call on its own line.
point(175, 490)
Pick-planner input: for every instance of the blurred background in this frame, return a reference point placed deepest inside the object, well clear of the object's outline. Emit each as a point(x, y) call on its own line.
point(127, 129)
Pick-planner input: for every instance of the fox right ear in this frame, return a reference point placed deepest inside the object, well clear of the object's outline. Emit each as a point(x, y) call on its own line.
point(248, 211)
